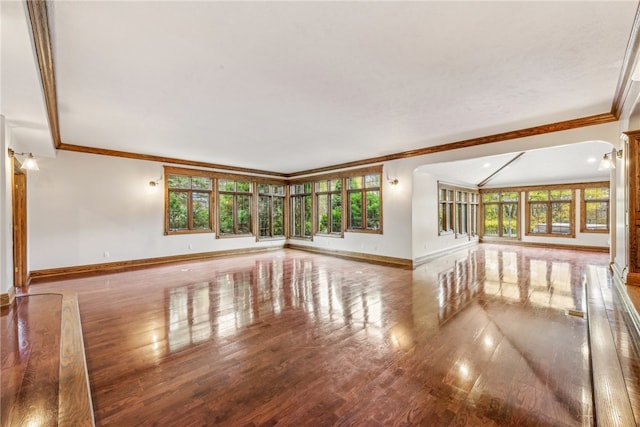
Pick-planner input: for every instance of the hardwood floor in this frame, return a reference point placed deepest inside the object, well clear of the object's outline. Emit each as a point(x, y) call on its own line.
point(481, 337)
point(30, 357)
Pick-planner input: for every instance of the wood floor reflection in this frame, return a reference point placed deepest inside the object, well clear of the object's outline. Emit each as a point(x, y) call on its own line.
point(481, 337)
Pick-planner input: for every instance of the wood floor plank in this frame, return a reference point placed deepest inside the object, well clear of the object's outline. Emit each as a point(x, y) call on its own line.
point(479, 337)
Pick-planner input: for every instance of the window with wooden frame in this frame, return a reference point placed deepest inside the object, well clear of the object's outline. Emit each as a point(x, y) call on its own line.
point(446, 212)
point(301, 208)
point(363, 203)
point(329, 206)
point(594, 210)
point(234, 207)
point(473, 214)
point(188, 201)
point(550, 212)
point(461, 212)
point(500, 214)
point(270, 210)
point(457, 210)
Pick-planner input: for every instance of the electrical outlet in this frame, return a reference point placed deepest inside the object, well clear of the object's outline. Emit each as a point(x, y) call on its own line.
point(106, 254)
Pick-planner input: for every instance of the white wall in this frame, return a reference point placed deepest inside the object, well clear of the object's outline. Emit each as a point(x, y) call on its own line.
point(426, 239)
point(83, 206)
point(6, 216)
point(396, 238)
point(90, 209)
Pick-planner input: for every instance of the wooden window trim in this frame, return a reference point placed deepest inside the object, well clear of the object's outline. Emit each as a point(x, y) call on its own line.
point(572, 211)
point(344, 174)
point(213, 200)
point(583, 210)
point(235, 194)
point(187, 172)
point(289, 218)
point(317, 193)
point(363, 191)
point(452, 209)
point(271, 197)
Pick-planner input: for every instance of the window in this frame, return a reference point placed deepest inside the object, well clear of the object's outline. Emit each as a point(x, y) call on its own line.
point(234, 207)
point(457, 210)
point(594, 217)
point(500, 214)
point(473, 214)
point(550, 212)
point(270, 210)
point(329, 205)
point(445, 210)
point(363, 196)
point(461, 212)
point(301, 210)
point(188, 205)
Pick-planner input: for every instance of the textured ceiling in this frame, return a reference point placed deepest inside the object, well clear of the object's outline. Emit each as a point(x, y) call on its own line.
point(241, 83)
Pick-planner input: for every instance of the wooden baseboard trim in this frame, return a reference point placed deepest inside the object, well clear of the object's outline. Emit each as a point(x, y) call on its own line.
point(443, 252)
point(601, 249)
point(356, 256)
point(611, 399)
point(630, 310)
point(75, 407)
point(8, 298)
point(63, 273)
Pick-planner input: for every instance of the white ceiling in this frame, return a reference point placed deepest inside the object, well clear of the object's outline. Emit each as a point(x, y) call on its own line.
point(241, 83)
point(556, 165)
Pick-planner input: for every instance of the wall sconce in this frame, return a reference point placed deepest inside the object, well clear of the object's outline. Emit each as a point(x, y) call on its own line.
point(607, 163)
point(394, 181)
point(29, 164)
point(154, 184)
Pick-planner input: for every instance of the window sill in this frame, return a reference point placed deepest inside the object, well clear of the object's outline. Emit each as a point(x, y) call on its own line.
point(230, 236)
point(334, 235)
point(179, 232)
point(357, 230)
point(595, 231)
point(270, 239)
point(570, 236)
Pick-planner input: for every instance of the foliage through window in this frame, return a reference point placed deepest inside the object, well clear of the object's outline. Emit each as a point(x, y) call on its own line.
point(234, 206)
point(363, 196)
point(550, 212)
point(594, 216)
point(188, 203)
point(500, 214)
point(329, 206)
point(270, 210)
point(301, 210)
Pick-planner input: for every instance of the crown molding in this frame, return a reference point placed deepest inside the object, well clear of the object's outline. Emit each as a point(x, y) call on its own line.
point(163, 159)
point(39, 20)
point(626, 71)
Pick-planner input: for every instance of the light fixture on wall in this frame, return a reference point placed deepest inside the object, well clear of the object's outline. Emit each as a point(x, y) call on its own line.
point(29, 163)
point(394, 181)
point(154, 184)
point(607, 160)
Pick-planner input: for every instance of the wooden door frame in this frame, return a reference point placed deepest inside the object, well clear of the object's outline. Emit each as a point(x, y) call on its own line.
point(19, 212)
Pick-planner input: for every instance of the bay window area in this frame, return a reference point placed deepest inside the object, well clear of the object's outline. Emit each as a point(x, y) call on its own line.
point(545, 211)
point(199, 201)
